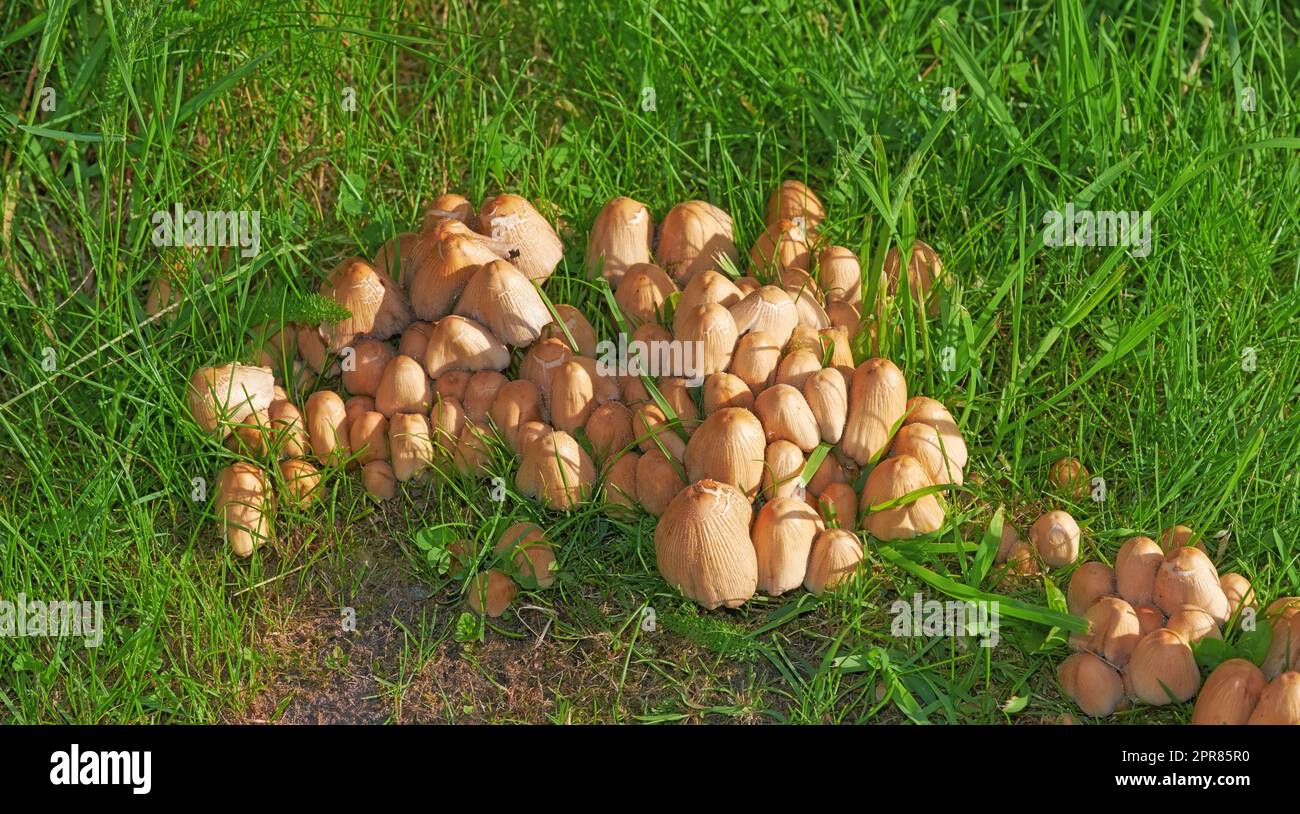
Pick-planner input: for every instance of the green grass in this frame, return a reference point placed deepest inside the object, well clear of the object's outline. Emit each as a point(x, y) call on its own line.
point(1131, 364)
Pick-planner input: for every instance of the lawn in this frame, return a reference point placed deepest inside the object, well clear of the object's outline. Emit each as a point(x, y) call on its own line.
point(1173, 376)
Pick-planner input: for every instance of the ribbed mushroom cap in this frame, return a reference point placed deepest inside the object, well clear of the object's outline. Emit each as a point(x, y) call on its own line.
point(244, 505)
point(501, 298)
point(311, 347)
point(890, 480)
point(618, 487)
point(1149, 618)
point(403, 388)
point(793, 199)
point(1162, 670)
point(840, 274)
point(785, 414)
point(327, 427)
point(288, 429)
point(1136, 565)
point(619, 239)
point(490, 593)
point(809, 312)
point(1279, 703)
point(516, 403)
point(706, 287)
point(924, 272)
point(1238, 591)
point(924, 443)
point(364, 370)
point(827, 395)
point(676, 393)
point(529, 239)
point(845, 316)
point(556, 471)
point(541, 363)
point(711, 326)
point(1284, 649)
point(415, 339)
point(609, 428)
point(770, 310)
point(877, 401)
point(832, 470)
point(1056, 537)
point(410, 445)
point(693, 237)
point(1193, 624)
point(439, 280)
point(1113, 631)
point(922, 410)
point(783, 536)
point(644, 290)
point(726, 390)
point(530, 432)
point(728, 447)
point(1179, 536)
point(1070, 478)
point(838, 504)
point(797, 366)
point(221, 396)
point(755, 360)
point(368, 437)
point(377, 305)
point(1093, 684)
point(481, 393)
point(1088, 583)
point(301, 482)
point(532, 553)
point(835, 557)
point(780, 246)
point(378, 480)
point(452, 384)
point(653, 431)
point(572, 396)
point(451, 206)
point(446, 420)
point(578, 327)
point(1187, 577)
point(457, 343)
point(782, 464)
point(472, 456)
point(393, 258)
point(658, 480)
point(803, 338)
point(702, 545)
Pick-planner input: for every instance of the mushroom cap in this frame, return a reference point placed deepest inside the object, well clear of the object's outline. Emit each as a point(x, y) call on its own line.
point(301, 481)
point(410, 445)
point(438, 281)
point(657, 482)
point(644, 290)
point(618, 485)
point(1095, 686)
point(708, 286)
point(1070, 477)
point(368, 437)
point(1179, 536)
point(1010, 536)
point(490, 593)
point(793, 199)
point(924, 271)
point(363, 373)
point(221, 396)
point(835, 557)
point(1136, 566)
point(726, 390)
point(516, 403)
point(379, 481)
point(923, 410)
point(1113, 630)
point(327, 427)
point(541, 362)
point(529, 239)
point(1056, 536)
point(890, 480)
point(924, 443)
point(780, 246)
point(1284, 649)
point(755, 360)
point(1149, 618)
point(808, 309)
point(609, 428)
point(244, 505)
point(783, 462)
point(832, 470)
point(1193, 624)
point(1238, 591)
point(452, 384)
point(653, 431)
point(556, 471)
point(840, 274)
point(702, 545)
point(728, 447)
point(1089, 582)
point(783, 536)
point(877, 403)
point(449, 205)
point(394, 256)
point(768, 309)
point(1279, 703)
point(481, 393)
point(403, 388)
point(502, 298)
point(785, 415)
point(619, 239)
point(473, 454)
point(711, 326)
point(311, 347)
point(415, 339)
point(573, 396)
point(1187, 577)
point(693, 237)
point(827, 395)
point(1162, 669)
point(577, 325)
point(377, 306)
point(446, 420)
point(797, 366)
point(288, 429)
point(532, 553)
point(845, 316)
point(838, 505)
point(457, 343)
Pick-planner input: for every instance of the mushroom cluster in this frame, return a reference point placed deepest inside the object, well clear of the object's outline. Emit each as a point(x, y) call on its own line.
point(1147, 611)
point(452, 358)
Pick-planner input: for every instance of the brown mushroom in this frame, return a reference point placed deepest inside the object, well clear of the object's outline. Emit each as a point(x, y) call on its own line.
point(890, 480)
point(1095, 686)
point(244, 505)
point(728, 447)
point(1056, 537)
point(1162, 670)
point(877, 401)
point(783, 536)
point(693, 237)
point(836, 555)
point(529, 239)
point(619, 239)
point(219, 397)
point(1136, 566)
point(702, 545)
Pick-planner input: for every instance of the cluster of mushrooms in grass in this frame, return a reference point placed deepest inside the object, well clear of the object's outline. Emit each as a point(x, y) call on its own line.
point(455, 358)
point(1147, 611)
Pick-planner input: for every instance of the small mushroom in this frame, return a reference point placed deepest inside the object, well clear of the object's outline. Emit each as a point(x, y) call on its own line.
point(922, 410)
point(1279, 703)
point(556, 470)
point(415, 340)
point(377, 306)
point(783, 536)
point(410, 444)
point(890, 480)
point(711, 327)
point(1056, 537)
point(490, 593)
point(1070, 477)
point(1149, 618)
point(327, 427)
point(797, 367)
point(1136, 566)
point(783, 463)
point(452, 384)
point(573, 396)
point(619, 239)
point(785, 415)
point(1162, 669)
point(768, 309)
point(403, 388)
point(1239, 592)
point(694, 236)
point(1178, 536)
point(542, 362)
point(446, 420)
point(530, 241)
point(924, 443)
point(368, 437)
point(619, 486)
point(781, 246)
point(1193, 624)
point(643, 292)
point(363, 372)
point(654, 431)
point(924, 274)
point(838, 504)
point(393, 258)
point(827, 395)
point(222, 396)
point(836, 555)
point(473, 454)
point(457, 343)
point(532, 553)
point(658, 481)
point(1284, 648)
point(244, 504)
point(1089, 582)
point(794, 200)
point(840, 274)
point(481, 393)
point(1187, 577)
point(437, 282)
point(449, 206)
point(702, 545)
point(728, 447)
point(609, 428)
point(1095, 686)
point(706, 287)
point(302, 481)
point(501, 298)
point(288, 430)
point(877, 404)
point(755, 360)
point(1113, 631)
point(516, 404)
